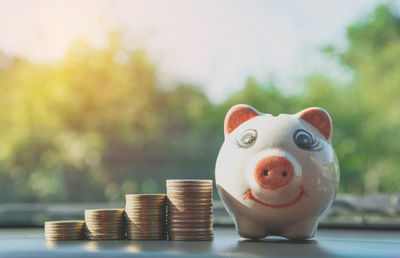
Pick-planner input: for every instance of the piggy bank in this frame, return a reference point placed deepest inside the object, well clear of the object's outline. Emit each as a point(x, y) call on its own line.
point(277, 175)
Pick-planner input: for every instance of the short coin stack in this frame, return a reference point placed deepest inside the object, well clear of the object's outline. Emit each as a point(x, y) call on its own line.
point(145, 216)
point(190, 210)
point(105, 224)
point(64, 230)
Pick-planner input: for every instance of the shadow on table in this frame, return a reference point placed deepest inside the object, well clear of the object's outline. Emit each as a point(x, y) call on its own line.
point(276, 247)
point(166, 248)
point(224, 245)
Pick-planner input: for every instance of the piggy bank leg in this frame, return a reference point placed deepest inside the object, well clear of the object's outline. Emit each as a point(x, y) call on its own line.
point(247, 228)
point(301, 231)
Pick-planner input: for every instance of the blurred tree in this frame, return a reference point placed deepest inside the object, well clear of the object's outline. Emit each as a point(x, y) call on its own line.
point(96, 125)
point(99, 124)
point(365, 113)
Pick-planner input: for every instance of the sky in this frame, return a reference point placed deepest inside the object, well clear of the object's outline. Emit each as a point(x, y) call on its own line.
point(215, 45)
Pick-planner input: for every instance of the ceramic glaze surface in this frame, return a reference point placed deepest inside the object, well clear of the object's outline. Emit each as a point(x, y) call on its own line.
point(277, 175)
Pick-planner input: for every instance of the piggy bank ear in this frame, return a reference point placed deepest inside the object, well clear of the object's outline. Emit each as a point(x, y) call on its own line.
point(319, 118)
point(237, 115)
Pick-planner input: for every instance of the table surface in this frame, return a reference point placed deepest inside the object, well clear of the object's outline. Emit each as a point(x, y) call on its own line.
point(327, 242)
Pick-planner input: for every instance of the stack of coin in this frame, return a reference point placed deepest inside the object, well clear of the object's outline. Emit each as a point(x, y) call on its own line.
point(105, 224)
point(64, 230)
point(145, 216)
point(190, 210)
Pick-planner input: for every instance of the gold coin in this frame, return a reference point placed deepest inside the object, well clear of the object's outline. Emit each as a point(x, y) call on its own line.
point(145, 233)
point(191, 234)
point(62, 232)
point(145, 196)
point(145, 216)
point(119, 220)
point(189, 213)
point(63, 238)
point(191, 208)
point(65, 222)
point(105, 237)
point(190, 198)
point(133, 234)
point(108, 211)
point(150, 219)
point(188, 190)
point(162, 237)
point(102, 216)
point(146, 211)
point(189, 181)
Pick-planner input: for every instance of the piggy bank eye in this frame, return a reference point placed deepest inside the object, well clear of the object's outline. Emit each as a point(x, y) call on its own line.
point(304, 140)
point(247, 139)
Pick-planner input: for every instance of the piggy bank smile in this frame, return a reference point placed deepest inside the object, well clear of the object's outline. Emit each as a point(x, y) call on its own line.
point(277, 175)
point(249, 195)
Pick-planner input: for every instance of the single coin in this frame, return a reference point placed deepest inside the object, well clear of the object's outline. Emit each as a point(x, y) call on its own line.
point(145, 211)
point(147, 220)
point(183, 203)
point(105, 225)
point(191, 224)
point(186, 236)
point(106, 238)
point(63, 238)
point(146, 233)
point(188, 198)
point(188, 204)
point(150, 197)
point(191, 234)
point(104, 211)
point(146, 214)
point(116, 220)
point(188, 181)
point(190, 212)
point(64, 227)
point(189, 186)
point(146, 200)
point(188, 220)
point(115, 217)
point(189, 208)
point(65, 222)
point(191, 238)
point(63, 233)
point(146, 223)
point(175, 207)
point(147, 238)
point(188, 190)
point(180, 185)
point(137, 237)
point(145, 206)
point(145, 228)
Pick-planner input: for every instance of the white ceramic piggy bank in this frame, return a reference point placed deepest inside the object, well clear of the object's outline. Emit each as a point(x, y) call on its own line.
point(277, 175)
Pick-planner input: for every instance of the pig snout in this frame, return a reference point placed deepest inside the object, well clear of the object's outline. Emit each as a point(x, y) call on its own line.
point(273, 172)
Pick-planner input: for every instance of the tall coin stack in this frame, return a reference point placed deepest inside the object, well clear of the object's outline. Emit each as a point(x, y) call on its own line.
point(64, 230)
point(190, 210)
point(105, 224)
point(145, 216)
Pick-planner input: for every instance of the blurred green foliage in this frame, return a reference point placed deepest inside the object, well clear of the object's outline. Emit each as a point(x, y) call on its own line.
point(99, 124)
